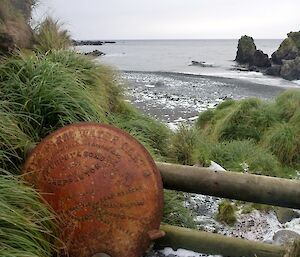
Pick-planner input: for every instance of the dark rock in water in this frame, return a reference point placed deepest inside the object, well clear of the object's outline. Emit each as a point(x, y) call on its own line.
point(253, 68)
point(260, 59)
point(274, 70)
point(285, 215)
point(202, 64)
point(91, 42)
point(246, 50)
point(95, 53)
point(283, 237)
point(289, 49)
point(290, 69)
point(87, 42)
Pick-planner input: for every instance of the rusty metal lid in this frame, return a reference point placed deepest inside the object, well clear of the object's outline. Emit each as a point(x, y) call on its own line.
point(104, 186)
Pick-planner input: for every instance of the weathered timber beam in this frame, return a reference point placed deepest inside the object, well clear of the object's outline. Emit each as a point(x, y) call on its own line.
point(233, 185)
point(209, 243)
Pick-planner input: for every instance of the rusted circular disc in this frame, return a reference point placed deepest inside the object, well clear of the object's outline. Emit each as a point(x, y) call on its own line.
point(103, 185)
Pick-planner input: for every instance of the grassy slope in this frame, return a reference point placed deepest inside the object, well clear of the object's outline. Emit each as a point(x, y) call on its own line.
point(263, 135)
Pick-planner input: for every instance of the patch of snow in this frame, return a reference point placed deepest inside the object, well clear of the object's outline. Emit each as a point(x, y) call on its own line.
point(181, 253)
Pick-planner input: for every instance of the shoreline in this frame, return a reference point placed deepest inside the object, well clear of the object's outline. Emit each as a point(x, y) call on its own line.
point(242, 81)
point(175, 97)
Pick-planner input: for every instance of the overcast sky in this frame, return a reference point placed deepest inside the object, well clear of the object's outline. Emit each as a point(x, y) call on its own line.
point(174, 19)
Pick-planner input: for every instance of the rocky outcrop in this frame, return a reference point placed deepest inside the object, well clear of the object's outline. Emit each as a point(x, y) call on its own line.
point(249, 55)
point(246, 50)
point(289, 49)
point(15, 31)
point(288, 57)
point(95, 53)
point(260, 59)
point(91, 42)
point(285, 62)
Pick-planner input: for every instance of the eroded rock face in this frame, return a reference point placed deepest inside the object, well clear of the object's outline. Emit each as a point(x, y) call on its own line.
point(246, 50)
point(260, 59)
point(15, 31)
point(290, 69)
point(288, 57)
point(286, 51)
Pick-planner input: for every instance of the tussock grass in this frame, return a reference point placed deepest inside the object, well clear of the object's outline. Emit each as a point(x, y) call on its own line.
point(175, 213)
point(288, 103)
point(243, 156)
point(226, 213)
point(151, 133)
point(284, 141)
point(14, 141)
point(50, 35)
point(26, 224)
point(40, 93)
point(205, 118)
point(273, 128)
point(248, 120)
point(47, 92)
point(183, 143)
point(98, 78)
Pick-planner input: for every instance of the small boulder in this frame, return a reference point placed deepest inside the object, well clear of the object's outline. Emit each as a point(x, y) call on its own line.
point(260, 59)
point(246, 50)
point(285, 215)
point(290, 69)
point(285, 236)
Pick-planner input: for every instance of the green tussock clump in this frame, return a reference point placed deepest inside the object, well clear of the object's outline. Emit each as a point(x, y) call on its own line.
point(248, 120)
point(208, 120)
point(243, 156)
point(288, 103)
point(295, 119)
point(183, 143)
point(226, 213)
point(40, 93)
point(151, 133)
point(47, 91)
point(50, 35)
point(175, 213)
point(26, 224)
point(272, 128)
point(283, 140)
point(14, 141)
point(238, 120)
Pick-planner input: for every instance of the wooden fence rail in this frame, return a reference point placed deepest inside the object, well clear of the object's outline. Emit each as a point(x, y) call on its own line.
point(232, 185)
point(211, 243)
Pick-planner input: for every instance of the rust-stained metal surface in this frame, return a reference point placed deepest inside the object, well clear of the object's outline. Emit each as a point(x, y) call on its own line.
point(103, 185)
